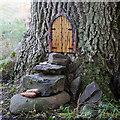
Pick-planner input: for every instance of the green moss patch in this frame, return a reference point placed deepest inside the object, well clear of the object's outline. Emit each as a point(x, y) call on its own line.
point(91, 72)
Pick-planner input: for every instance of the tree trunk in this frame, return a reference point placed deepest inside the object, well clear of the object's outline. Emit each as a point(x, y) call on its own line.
point(97, 26)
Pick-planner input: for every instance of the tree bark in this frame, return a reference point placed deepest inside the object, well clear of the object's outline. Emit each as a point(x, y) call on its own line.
point(98, 33)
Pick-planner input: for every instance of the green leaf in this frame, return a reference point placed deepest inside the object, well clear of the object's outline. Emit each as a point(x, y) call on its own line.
point(63, 114)
point(61, 107)
point(8, 113)
point(50, 118)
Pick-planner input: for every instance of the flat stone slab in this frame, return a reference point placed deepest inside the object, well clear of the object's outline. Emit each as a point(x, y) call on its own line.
point(47, 68)
point(58, 59)
point(48, 84)
point(20, 104)
point(91, 94)
point(88, 109)
point(75, 86)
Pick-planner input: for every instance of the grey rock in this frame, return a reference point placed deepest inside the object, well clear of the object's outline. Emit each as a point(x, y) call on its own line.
point(91, 94)
point(58, 59)
point(88, 109)
point(74, 87)
point(20, 104)
point(47, 68)
point(95, 97)
point(47, 84)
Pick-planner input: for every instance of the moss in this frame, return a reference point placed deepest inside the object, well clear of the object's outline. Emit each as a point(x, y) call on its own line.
point(45, 79)
point(94, 73)
point(12, 54)
point(52, 72)
point(5, 64)
point(7, 69)
point(2, 65)
point(39, 81)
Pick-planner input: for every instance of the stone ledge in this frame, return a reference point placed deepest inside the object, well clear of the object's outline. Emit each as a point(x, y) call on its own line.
point(20, 104)
point(48, 84)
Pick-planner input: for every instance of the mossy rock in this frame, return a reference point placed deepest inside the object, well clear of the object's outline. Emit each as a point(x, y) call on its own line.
point(50, 69)
point(7, 69)
point(20, 104)
point(47, 84)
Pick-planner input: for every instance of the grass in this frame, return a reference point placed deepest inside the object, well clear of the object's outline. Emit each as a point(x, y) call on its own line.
point(104, 109)
point(11, 33)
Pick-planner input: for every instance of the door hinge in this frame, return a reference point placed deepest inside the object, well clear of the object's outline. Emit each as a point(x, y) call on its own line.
point(54, 47)
point(70, 48)
point(53, 29)
point(69, 29)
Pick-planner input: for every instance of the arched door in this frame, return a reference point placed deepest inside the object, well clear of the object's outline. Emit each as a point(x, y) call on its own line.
point(62, 35)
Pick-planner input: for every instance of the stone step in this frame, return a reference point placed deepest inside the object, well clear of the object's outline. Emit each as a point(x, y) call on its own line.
point(50, 69)
point(58, 59)
point(48, 84)
point(91, 94)
point(20, 104)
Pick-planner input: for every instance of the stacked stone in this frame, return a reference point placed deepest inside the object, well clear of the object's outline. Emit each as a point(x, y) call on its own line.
point(49, 77)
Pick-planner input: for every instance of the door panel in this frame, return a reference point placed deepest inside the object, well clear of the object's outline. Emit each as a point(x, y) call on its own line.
point(59, 42)
point(61, 35)
point(67, 35)
point(56, 41)
point(64, 34)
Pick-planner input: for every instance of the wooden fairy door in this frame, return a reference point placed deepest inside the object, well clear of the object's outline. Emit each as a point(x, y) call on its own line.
point(62, 35)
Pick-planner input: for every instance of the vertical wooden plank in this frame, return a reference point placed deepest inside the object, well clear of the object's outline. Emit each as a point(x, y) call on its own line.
point(56, 33)
point(53, 36)
point(54, 30)
point(59, 34)
point(70, 37)
point(63, 34)
point(67, 35)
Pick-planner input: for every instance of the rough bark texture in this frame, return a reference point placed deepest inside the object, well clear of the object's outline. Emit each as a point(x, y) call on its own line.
point(98, 33)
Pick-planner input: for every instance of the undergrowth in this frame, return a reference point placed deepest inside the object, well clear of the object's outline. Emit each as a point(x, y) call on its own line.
point(11, 33)
point(104, 109)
